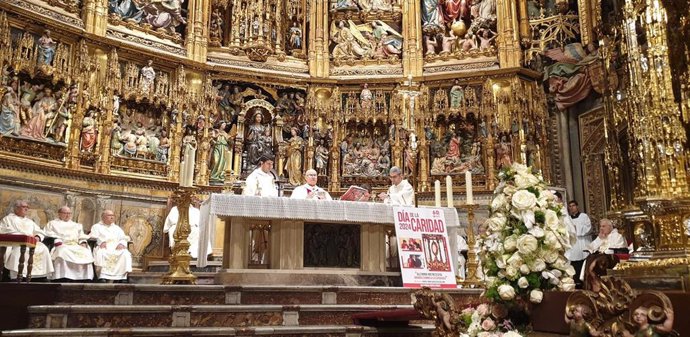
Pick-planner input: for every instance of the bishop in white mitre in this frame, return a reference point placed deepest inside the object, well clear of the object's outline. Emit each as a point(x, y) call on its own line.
point(18, 223)
point(194, 219)
point(112, 259)
point(71, 255)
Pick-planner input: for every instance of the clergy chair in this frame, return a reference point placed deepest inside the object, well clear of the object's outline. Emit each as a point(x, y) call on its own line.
point(21, 241)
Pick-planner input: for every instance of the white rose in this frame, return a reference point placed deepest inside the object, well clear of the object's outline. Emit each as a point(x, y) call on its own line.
point(538, 265)
point(567, 284)
point(550, 256)
point(528, 218)
point(515, 260)
point(522, 181)
point(497, 222)
point(551, 220)
point(524, 269)
point(501, 261)
point(511, 272)
point(520, 168)
point(506, 292)
point(551, 240)
point(556, 273)
point(499, 202)
point(535, 296)
point(523, 200)
point(509, 190)
point(510, 244)
point(570, 270)
point(523, 283)
point(537, 232)
point(527, 244)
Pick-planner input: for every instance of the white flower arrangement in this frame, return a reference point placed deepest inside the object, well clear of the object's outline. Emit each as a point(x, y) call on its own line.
point(525, 239)
point(487, 320)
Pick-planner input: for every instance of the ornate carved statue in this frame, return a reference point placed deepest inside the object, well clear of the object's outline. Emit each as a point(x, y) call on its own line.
point(293, 164)
point(349, 42)
point(218, 156)
point(321, 156)
point(258, 142)
point(164, 14)
point(9, 111)
point(366, 98)
point(42, 110)
point(216, 29)
point(147, 77)
point(88, 132)
point(431, 16)
point(295, 37)
point(457, 95)
point(46, 49)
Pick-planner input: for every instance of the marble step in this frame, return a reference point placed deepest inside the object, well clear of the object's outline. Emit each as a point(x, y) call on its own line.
point(158, 316)
point(421, 330)
point(148, 294)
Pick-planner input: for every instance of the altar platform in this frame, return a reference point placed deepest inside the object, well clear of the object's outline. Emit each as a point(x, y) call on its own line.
point(283, 241)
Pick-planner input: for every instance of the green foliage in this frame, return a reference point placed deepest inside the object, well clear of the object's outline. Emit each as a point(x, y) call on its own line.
point(539, 217)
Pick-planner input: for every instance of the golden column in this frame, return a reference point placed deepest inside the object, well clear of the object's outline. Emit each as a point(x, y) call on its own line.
point(95, 16)
point(413, 57)
point(112, 78)
point(508, 41)
point(180, 272)
point(319, 56)
point(657, 133)
point(196, 40)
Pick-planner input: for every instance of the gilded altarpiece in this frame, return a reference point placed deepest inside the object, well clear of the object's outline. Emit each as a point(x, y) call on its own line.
point(592, 144)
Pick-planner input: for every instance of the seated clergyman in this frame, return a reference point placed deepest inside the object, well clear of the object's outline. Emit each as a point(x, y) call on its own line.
point(608, 239)
point(112, 259)
point(310, 190)
point(17, 223)
point(71, 255)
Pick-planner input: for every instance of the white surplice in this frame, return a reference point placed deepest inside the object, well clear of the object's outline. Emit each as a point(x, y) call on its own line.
point(42, 265)
point(302, 192)
point(193, 238)
point(70, 259)
point(114, 264)
point(401, 194)
point(260, 183)
point(583, 226)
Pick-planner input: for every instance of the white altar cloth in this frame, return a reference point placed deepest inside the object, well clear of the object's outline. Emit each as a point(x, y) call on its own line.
point(295, 209)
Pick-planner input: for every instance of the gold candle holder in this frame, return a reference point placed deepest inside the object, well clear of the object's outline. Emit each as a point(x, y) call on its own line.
point(471, 280)
point(180, 272)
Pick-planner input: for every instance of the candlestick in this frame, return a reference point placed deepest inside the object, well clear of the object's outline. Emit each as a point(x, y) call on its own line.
point(468, 186)
point(437, 193)
point(449, 191)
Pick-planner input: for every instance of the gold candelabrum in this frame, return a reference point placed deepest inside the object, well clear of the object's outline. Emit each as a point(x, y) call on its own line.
point(179, 259)
point(471, 280)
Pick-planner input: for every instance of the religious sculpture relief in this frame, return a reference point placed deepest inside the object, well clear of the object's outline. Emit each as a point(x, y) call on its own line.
point(458, 29)
point(457, 147)
point(166, 18)
point(373, 40)
point(141, 131)
point(260, 28)
point(366, 151)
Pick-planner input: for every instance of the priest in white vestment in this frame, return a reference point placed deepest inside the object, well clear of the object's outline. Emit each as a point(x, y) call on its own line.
point(18, 223)
point(194, 218)
point(261, 182)
point(112, 259)
point(71, 255)
point(583, 226)
point(608, 239)
point(401, 192)
point(310, 190)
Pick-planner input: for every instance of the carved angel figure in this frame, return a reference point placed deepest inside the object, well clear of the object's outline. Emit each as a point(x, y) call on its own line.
point(348, 40)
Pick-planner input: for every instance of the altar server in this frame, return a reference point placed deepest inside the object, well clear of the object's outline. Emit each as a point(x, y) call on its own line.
point(71, 255)
point(112, 259)
point(18, 223)
point(401, 192)
point(261, 182)
point(194, 219)
point(310, 190)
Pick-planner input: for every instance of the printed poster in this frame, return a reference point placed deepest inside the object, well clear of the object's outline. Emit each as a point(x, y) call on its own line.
point(423, 248)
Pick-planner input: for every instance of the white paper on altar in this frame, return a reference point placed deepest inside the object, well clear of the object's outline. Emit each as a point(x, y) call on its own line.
point(233, 205)
point(424, 248)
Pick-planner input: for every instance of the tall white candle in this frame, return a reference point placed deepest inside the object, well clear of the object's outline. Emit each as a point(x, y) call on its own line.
point(183, 169)
point(468, 186)
point(449, 190)
point(437, 193)
point(190, 166)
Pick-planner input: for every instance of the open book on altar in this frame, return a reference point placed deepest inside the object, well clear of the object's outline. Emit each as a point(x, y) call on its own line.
point(354, 193)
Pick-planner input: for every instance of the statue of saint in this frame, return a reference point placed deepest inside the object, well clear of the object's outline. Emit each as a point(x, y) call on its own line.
point(9, 111)
point(218, 156)
point(148, 75)
point(256, 142)
point(366, 98)
point(88, 133)
point(457, 95)
point(321, 157)
point(46, 49)
point(293, 164)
